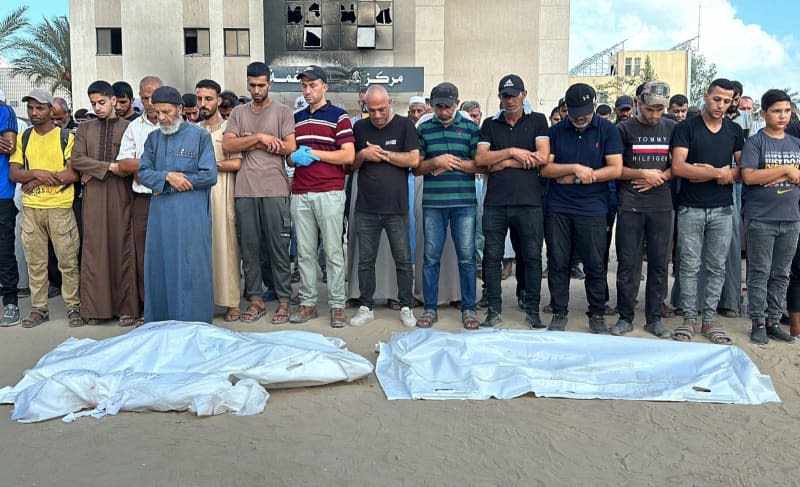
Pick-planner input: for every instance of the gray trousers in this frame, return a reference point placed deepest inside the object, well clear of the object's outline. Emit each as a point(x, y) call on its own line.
point(269, 220)
point(770, 250)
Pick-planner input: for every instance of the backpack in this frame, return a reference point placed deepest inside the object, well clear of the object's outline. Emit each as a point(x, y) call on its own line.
point(26, 136)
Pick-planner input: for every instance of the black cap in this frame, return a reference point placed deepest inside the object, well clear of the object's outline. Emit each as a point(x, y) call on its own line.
point(313, 72)
point(624, 101)
point(444, 94)
point(511, 84)
point(603, 109)
point(167, 94)
point(580, 99)
point(189, 100)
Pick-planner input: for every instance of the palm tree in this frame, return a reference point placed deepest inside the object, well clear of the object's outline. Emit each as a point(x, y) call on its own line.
point(43, 56)
point(9, 26)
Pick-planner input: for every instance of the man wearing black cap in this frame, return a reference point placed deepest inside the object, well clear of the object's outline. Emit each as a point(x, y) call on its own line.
point(179, 166)
point(513, 145)
point(325, 142)
point(586, 152)
point(448, 143)
point(263, 130)
point(623, 108)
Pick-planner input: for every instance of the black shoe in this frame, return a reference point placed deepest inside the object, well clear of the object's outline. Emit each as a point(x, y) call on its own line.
point(324, 277)
point(622, 327)
point(493, 319)
point(597, 324)
point(558, 323)
point(483, 303)
point(775, 332)
point(534, 321)
point(295, 276)
point(758, 334)
point(785, 319)
point(53, 291)
point(521, 300)
point(657, 329)
point(727, 313)
point(577, 273)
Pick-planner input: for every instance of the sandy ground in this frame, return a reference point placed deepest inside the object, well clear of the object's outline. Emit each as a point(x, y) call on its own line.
point(349, 434)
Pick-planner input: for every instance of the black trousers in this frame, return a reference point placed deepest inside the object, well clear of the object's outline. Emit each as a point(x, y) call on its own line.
point(9, 274)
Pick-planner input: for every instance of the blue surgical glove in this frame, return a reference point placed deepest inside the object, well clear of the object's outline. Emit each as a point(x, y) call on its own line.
point(303, 157)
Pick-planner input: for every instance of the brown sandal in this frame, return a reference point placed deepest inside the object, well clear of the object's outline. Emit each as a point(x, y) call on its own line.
point(124, 320)
point(253, 313)
point(74, 319)
point(281, 315)
point(36, 318)
point(233, 314)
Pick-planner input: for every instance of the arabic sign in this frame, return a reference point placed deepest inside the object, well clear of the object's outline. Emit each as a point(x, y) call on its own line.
point(350, 79)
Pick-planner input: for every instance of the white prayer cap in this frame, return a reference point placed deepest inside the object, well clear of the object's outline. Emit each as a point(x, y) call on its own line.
point(416, 99)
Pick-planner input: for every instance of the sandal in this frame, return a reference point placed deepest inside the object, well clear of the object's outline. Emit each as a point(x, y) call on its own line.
point(428, 318)
point(281, 315)
point(95, 321)
point(74, 318)
point(470, 321)
point(36, 318)
point(684, 332)
point(125, 320)
point(253, 313)
point(717, 335)
point(233, 314)
point(139, 322)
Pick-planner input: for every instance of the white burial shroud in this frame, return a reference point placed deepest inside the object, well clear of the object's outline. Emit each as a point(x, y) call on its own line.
point(177, 366)
point(432, 364)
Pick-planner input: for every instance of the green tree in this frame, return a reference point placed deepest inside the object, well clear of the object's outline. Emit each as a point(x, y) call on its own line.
point(647, 73)
point(10, 25)
point(43, 55)
point(702, 73)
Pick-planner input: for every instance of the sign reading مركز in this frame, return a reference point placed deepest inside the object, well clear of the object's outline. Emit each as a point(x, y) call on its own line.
point(351, 79)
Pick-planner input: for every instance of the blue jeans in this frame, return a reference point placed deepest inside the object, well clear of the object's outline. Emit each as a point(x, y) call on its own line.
point(770, 249)
point(462, 228)
point(704, 237)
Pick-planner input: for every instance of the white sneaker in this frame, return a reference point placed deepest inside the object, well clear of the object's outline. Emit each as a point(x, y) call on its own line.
point(407, 317)
point(363, 316)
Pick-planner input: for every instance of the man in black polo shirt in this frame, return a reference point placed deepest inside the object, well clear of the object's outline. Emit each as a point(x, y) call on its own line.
point(512, 146)
point(645, 209)
point(702, 148)
point(387, 147)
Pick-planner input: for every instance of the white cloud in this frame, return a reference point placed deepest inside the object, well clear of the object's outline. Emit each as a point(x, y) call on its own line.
point(742, 51)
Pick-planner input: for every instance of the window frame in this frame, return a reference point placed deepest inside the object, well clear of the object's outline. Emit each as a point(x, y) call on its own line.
point(237, 32)
point(111, 31)
point(197, 31)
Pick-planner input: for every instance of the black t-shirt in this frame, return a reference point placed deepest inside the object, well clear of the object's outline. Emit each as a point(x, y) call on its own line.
point(514, 186)
point(646, 147)
point(382, 186)
point(706, 147)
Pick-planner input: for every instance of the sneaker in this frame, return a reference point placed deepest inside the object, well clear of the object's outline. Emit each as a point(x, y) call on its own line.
point(24, 292)
point(577, 273)
point(295, 276)
point(407, 317)
point(269, 295)
point(773, 331)
point(622, 327)
point(10, 315)
point(558, 323)
point(303, 314)
point(493, 318)
point(483, 303)
point(657, 329)
point(597, 324)
point(338, 318)
point(363, 316)
point(758, 334)
point(534, 321)
point(324, 276)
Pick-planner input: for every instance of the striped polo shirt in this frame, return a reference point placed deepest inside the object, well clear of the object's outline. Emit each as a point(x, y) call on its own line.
point(326, 129)
point(454, 188)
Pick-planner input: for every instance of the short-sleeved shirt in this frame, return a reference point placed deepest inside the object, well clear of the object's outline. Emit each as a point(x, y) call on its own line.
point(646, 147)
point(132, 145)
point(775, 203)
point(44, 152)
point(326, 129)
point(8, 123)
point(589, 148)
point(452, 189)
point(382, 186)
point(263, 174)
point(514, 186)
point(707, 147)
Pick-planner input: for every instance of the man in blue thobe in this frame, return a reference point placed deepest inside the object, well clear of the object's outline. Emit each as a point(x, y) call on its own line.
point(178, 164)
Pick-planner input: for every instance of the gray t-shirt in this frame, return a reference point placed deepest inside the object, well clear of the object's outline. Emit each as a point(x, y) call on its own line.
point(263, 174)
point(646, 147)
point(775, 203)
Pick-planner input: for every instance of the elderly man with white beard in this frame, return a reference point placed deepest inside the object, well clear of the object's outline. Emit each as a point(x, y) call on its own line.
point(178, 164)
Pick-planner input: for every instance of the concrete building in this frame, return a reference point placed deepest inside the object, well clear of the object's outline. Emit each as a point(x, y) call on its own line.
point(472, 43)
point(618, 72)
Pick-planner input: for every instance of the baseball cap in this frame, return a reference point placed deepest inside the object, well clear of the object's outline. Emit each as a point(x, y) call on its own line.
point(313, 72)
point(444, 94)
point(603, 109)
point(655, 93)
point(580, 99)
point(624, 101)
point(511, 84)
point(39, 94)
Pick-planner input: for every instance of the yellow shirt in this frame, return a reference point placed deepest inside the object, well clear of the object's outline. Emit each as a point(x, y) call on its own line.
point(44, 152)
